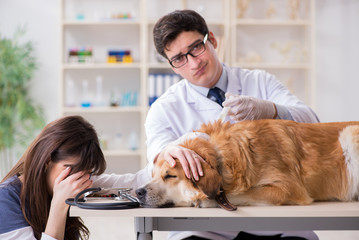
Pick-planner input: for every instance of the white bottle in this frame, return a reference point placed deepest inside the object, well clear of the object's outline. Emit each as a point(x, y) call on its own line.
point(70, 99)
point(117, 141)
point(99, 102)
point(133, 141)
point(85, 100)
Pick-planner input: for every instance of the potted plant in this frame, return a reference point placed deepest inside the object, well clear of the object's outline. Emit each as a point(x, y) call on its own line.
point(20, 118)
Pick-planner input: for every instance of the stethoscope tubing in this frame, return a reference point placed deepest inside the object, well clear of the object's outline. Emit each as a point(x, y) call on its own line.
point(77, 201)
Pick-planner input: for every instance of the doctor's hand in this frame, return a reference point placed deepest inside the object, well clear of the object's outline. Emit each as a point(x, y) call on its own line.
point(249, 108)
point(190, 160)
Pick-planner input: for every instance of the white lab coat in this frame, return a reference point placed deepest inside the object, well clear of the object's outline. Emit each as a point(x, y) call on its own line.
point(182, 109)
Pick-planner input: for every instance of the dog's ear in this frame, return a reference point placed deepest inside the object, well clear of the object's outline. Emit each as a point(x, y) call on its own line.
point(210, 182)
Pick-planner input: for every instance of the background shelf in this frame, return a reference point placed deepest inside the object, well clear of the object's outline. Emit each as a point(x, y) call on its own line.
point(269, 35)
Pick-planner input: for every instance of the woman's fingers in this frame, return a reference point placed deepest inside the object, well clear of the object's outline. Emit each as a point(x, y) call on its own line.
point(63, 175)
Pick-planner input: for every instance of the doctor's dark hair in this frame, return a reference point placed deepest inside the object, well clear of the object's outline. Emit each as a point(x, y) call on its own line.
point(70, 136)
point(171, 25)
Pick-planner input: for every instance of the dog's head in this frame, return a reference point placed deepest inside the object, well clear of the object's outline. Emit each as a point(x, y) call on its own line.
point(170, 187)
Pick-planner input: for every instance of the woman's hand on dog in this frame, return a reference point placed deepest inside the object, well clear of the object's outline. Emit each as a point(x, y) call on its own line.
point(190, 160)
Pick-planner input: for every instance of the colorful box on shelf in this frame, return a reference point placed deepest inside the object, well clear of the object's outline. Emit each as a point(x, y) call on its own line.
point(121, 15)
point(117, 16)
point(119, 56)
point(105, 16)
point(80, 55)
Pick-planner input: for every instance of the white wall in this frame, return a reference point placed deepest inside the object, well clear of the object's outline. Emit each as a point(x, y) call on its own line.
point(337, 53)
point(42, 21)
point(337, 60)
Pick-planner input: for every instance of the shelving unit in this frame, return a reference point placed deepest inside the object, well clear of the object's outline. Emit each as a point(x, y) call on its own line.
point(87, 23)
point(91, 24)
point(277, 36)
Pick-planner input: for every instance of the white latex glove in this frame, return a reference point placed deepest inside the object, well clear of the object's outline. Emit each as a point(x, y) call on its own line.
point(249, 108)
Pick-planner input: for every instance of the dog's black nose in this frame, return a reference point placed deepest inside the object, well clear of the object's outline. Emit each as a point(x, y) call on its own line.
point(141, 193)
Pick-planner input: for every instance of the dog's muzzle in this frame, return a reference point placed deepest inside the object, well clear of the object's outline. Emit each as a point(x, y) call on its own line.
point(141, 194)
point(151, 202)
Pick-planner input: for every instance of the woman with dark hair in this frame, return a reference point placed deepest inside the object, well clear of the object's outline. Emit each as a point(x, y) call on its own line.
point(56, 166)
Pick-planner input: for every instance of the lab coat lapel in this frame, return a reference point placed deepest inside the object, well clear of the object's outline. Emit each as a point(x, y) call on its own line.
point(234, 81)
point(198, 101)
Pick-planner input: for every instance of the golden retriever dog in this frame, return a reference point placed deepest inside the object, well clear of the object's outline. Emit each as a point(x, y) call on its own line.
point(262, 162)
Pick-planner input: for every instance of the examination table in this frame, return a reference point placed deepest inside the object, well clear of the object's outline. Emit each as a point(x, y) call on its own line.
point(317, 216)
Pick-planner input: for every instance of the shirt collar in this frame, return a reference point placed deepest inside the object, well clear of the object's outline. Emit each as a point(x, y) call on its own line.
point(222, 84)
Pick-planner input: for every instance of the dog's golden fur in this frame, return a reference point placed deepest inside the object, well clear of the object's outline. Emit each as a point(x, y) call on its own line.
point(264, 162)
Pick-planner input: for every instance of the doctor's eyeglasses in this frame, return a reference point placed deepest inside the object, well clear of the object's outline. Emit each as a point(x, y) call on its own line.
point(180, 60)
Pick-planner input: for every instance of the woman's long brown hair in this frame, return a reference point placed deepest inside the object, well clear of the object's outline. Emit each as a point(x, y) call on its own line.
point(66, 137)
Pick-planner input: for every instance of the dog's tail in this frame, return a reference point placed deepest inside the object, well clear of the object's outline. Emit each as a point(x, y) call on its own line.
point(349, 140)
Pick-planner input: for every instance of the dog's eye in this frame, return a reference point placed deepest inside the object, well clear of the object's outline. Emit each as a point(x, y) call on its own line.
point(169, 176)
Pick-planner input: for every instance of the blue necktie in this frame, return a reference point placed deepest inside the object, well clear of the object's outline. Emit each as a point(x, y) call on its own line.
point(216, 95)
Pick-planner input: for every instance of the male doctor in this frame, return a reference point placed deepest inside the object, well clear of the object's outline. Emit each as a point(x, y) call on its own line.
point(183, 38)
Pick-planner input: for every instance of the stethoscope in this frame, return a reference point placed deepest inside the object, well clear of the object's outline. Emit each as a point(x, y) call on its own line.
point(122, 201)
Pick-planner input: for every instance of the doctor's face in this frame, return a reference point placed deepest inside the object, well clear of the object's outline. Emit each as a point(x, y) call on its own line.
point(203, 70)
